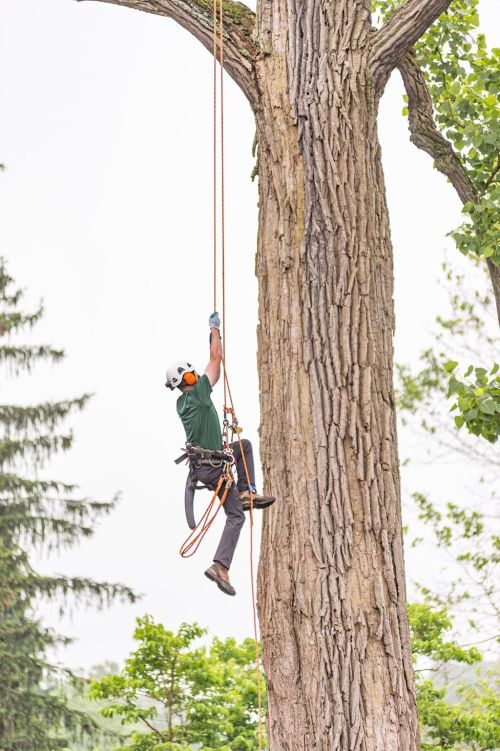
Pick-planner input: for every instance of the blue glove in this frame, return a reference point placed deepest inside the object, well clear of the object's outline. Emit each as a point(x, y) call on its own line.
point(214, 321)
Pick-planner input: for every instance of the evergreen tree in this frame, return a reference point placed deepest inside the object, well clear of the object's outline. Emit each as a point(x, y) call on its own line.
point(36, 514)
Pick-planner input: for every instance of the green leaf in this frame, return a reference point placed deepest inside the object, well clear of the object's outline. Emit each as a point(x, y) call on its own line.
point(488, 407)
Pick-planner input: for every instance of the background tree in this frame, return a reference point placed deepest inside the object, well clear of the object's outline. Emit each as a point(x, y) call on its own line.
point(184, 696)
point(457, 695)
point(453, 108)
point(465, 333)
point(466, 529)
point(458, 708)
point(452, 85)
point(332, 596)
point(110, 732)
point(43, 515)
point(468, 720)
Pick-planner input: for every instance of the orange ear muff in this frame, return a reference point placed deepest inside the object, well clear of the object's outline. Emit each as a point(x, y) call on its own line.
point(190, 378)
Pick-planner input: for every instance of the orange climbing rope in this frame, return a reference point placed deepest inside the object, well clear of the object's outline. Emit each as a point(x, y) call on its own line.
point(231, 410)
point(215, 150)
point(227, 389)
point(194, 540)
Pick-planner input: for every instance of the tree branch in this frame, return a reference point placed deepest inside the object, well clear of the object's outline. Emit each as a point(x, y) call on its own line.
point(493, 174)
point(424, 132)
point(149, 724)
point(196, 16)
point(399, 33)
point(425, 135)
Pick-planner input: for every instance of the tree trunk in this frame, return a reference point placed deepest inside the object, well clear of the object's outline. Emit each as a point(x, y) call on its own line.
point(331, 576)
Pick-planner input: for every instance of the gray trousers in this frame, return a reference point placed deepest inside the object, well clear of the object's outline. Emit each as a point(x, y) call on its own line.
point(235, 516)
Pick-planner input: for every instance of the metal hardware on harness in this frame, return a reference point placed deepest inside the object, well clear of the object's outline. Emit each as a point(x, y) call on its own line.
point(197, 455)
point(233, 425)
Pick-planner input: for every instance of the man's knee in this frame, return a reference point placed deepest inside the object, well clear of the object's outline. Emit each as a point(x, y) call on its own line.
point(247, 446)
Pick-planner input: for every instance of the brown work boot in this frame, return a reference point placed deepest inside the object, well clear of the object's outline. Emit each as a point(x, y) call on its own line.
point(259, 501)
point(220, 575)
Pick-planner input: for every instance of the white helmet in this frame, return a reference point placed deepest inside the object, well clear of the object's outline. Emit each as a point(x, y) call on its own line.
point(175, 373)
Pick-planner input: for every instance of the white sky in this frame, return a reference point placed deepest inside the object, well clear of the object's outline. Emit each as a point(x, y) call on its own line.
point(106, 214)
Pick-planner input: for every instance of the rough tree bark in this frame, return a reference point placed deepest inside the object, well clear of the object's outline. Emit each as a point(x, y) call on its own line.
point(331, 577)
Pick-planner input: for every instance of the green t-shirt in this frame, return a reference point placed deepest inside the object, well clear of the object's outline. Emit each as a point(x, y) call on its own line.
point(199, 416)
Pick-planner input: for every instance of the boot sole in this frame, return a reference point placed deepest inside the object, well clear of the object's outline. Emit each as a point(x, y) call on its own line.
point(220, 583)
point(256, 506)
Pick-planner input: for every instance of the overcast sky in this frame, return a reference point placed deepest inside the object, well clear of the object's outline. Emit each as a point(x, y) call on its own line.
point(106, 214)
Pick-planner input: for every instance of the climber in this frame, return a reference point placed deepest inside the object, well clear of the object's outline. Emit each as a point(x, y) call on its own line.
point(201, 423)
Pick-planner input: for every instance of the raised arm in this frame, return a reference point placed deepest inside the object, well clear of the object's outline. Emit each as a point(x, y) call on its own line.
point(213, 368)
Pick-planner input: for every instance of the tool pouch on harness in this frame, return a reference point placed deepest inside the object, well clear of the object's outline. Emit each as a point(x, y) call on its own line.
point(197, 456)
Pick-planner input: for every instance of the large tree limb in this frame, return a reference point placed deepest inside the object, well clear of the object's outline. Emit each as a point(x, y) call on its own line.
point(425, 135)
point(399, 33)
point(240, 50)
point(424, 132)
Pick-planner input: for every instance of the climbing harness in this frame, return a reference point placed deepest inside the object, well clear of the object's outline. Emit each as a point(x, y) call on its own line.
point(198, 531)
point(196, 455)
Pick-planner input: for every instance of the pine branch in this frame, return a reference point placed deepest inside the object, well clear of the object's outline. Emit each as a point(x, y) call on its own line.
point(49, 532)
point(10, 322)
point(49, 523)
point(9, 299)
point(399, 33)
point(38, 710)
point(20, 487)
point(15, 629)
point(83, 590)
point(81, 508)
point(37, 449)
point(47, 415)
point(24, 357)
point(240, 49)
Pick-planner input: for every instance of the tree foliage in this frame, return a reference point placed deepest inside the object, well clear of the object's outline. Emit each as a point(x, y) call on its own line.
point(471, 723)
point(458, 706)
point(36, 514)
point(110, 732)
point(467, 332)
point(468, 721)
point(189, 696)
point(477, 399)
point(463, 78)
point(182, 694)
